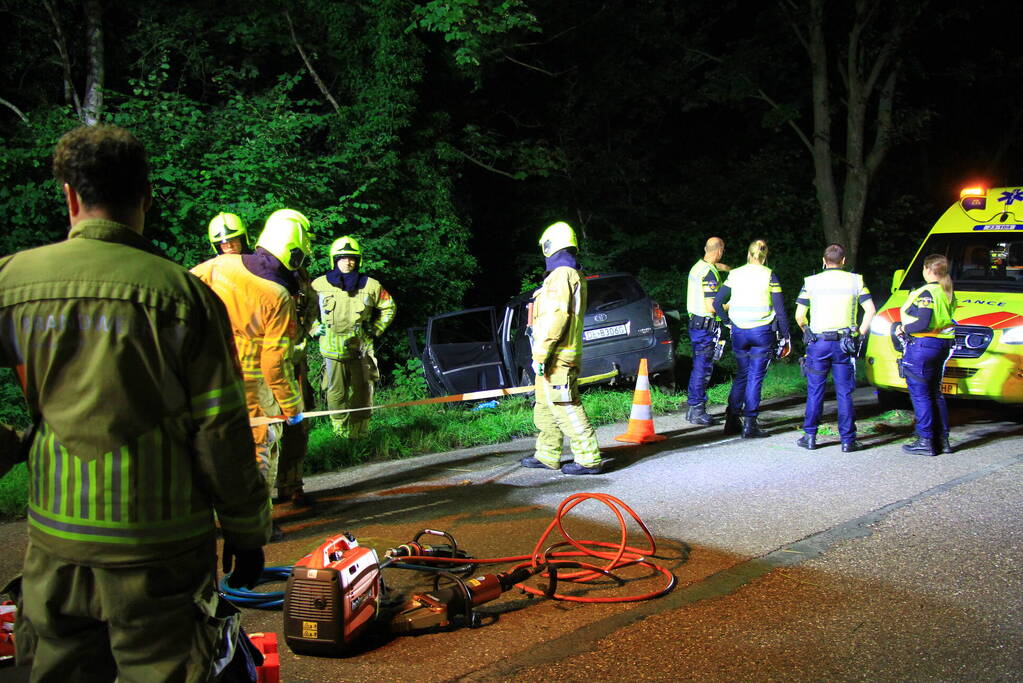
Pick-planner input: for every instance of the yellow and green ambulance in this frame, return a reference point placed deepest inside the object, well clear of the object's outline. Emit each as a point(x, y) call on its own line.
point(981, 235)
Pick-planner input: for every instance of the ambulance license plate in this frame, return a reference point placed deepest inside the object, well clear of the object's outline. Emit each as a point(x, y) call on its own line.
point(949, 388)
point(605, 332)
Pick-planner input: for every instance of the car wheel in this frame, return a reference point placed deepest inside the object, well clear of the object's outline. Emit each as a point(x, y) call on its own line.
point(665, 380)
point(892, 400)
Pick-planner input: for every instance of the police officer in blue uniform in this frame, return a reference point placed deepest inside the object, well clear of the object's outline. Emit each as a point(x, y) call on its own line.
point(929, 331)
point(832, 343)
point(704, 326)
point(755, 311)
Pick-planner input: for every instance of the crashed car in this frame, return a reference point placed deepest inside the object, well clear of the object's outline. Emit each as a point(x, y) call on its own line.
point(483, 348)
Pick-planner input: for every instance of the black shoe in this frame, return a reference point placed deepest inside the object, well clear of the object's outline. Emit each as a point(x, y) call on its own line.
point(534, 463)
point(852, 446)
point(697, 415)
point(751, 430)
point(920, 447)
point(944, 445)
point(732, 424)
point(576, 468)
point(276, 533)
point(807, 441)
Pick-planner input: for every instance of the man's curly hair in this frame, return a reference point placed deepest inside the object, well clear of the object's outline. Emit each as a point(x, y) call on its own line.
point(106, 165)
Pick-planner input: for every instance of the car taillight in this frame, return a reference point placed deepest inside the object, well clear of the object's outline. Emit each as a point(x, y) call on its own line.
point(658, 316)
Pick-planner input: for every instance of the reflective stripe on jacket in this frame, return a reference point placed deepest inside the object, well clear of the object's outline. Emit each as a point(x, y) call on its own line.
point(352, 321)
point(558, 310)
point(750, 303)
point(126, 361)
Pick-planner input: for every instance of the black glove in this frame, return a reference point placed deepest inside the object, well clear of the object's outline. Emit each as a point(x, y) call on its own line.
point(248, 566)
point(849, 345)
point(808, 336)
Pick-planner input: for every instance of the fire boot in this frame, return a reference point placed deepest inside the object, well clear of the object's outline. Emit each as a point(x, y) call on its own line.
point(732, 424)
point(921, 446)
point(697, 415)
point(751, 430)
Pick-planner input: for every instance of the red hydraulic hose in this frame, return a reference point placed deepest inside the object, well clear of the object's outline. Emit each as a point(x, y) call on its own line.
point(619, 556)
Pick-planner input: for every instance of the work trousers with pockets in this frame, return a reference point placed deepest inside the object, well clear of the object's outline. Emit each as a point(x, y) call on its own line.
point(703, 365)
point(349, 384)
point(753, 349)
point(558, 413)
point(148, 622)
point(294, 444)
point(822, 357)
point(924, 364)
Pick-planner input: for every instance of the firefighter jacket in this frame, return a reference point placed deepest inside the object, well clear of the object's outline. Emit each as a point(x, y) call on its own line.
point(833, 297)
point(558, 310)
point(307, 311)
point(352, 321)
point(931, 296)
point(703, 283)
point(126, 364)
point(264, 323)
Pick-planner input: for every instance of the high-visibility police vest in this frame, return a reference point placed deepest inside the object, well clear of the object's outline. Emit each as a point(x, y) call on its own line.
point(942, 326)
point(833, 297)
point(699, 286)
point(750, 303)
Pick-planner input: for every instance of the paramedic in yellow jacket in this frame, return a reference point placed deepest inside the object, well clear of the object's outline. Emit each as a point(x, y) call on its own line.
point(355, 309)
point(558, 309)
point(258, 291)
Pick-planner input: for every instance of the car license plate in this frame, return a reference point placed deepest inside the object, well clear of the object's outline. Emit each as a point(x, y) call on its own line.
point(949, 388)
point(605, 332)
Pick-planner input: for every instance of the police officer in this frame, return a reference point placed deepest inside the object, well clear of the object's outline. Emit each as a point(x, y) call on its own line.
point(756, 313)
point(258, 291)
point(558, 309)
point(355, 310)
point(704, 326)
point(228, 234)
point(929, 329)
point(832, 343)
point(142, 443)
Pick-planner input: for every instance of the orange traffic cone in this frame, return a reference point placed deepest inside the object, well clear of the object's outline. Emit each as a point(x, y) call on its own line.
point(641, 420)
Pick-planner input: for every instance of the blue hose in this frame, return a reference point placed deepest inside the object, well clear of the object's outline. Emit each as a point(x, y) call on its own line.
point(244, 597)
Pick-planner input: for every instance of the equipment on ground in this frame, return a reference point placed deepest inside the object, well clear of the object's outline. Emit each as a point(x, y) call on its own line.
point(332, 595)
point(443, 607)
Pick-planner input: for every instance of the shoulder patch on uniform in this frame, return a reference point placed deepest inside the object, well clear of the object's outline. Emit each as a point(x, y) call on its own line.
point(384, 296)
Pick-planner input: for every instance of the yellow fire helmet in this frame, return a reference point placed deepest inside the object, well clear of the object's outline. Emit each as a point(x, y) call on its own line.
point(557, 237)
point(345, 246)
point(227, 226)
point(286, 236)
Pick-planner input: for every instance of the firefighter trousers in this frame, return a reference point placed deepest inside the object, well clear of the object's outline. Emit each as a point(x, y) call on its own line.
point(557, 413)
point(148, 622)
point(349, 384)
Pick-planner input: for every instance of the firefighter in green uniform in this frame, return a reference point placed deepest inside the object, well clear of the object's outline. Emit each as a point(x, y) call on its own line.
point(355, 309)
point(558, 309)
point(704, 326)
point(141, 442)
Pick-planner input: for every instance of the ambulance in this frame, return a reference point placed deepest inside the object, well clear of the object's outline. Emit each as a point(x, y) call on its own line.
point(981, 235)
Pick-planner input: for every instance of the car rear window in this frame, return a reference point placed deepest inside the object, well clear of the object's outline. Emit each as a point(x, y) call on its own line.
point(606, 293)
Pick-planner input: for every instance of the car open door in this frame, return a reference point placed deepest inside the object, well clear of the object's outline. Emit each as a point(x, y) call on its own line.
point(461, 353)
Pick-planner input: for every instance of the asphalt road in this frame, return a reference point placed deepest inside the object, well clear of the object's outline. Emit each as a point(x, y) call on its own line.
point(791, 565)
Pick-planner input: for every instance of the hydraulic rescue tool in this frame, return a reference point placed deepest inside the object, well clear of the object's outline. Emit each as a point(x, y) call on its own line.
point(427, 552)
point(332, 595)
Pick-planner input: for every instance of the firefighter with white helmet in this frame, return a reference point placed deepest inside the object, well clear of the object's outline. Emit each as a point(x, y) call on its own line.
point(258, 291)
point(355, 310)
point(558, 309)
point(228, 234)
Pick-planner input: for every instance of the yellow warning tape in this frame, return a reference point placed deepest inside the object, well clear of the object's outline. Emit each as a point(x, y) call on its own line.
point(454, 398)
